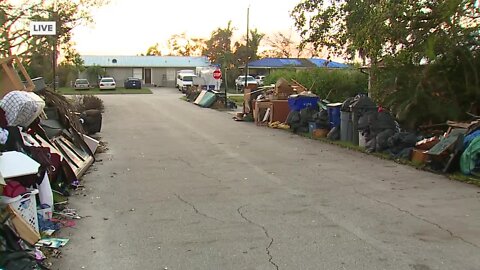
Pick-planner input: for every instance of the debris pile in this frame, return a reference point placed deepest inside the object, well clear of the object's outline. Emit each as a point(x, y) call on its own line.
point(360, 121)
point(45, 149)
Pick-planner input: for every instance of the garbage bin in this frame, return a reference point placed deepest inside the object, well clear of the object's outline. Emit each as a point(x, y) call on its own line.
point(299, 102)
point(346, 126)
point(334, 114)
point(360, 106)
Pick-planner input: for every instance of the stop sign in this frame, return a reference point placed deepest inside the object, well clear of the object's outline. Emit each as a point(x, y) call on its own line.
point(217, 74)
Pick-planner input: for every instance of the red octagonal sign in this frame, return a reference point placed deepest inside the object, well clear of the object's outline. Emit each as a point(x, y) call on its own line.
point(217, 74)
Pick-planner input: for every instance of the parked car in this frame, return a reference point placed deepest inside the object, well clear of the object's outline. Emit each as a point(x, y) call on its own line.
point(107, 83)
point(81, 84)
point(240, 81)
point(259, 79)
point(132, 83)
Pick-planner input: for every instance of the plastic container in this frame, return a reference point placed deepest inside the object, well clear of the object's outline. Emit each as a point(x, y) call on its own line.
point(25, 205)
point(362, 142)
point(297, 103)
point(346, 126)
point(334, 114)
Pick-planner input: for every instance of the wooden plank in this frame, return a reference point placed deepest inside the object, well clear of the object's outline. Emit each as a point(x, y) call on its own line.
point(24, 230)
point(9, 78)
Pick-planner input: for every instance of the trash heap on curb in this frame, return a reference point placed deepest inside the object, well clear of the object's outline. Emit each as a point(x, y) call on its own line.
point(360, 121)
point(45, 150)
point(207, 98)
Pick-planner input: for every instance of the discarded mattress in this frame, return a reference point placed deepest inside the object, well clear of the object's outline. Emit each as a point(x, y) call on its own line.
point(208, 99)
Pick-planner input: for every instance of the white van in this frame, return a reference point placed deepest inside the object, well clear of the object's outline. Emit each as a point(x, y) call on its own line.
point(185, 79)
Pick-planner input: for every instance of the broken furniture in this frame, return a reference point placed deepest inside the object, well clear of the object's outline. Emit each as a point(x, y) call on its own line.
point(9, 78)
point(269, 111)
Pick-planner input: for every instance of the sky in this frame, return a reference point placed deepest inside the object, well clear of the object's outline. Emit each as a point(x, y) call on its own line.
point(126, 27)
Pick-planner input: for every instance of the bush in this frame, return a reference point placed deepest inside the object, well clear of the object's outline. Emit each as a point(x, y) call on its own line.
point(333, 84)
point(88, 102)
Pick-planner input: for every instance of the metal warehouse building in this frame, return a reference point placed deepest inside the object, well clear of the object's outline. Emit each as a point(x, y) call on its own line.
point(152, 70)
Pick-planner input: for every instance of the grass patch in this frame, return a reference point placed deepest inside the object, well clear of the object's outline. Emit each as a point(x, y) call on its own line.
point(96, 91)
point(469, 179)
point(456, 176)
point(237, 99)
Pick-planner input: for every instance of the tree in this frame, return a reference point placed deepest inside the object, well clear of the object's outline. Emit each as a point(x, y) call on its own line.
point(428, 50)
point(37, 51)
point(180, 44)
point(153, 50)
point(94, 73)
point(242, 54)
point(219, 46)
point(283, 45)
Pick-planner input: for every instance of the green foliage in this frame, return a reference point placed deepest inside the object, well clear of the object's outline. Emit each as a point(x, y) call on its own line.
point(332, 84)
point(243, 54)
point(94, 73)
point(67, 73)
point(219, 45)
point(424, 54)
point(36, 52)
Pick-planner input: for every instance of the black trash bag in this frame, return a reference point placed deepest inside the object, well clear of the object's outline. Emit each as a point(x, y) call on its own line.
point(306, 115)
point(293, 117)
point(293, 120)
point(362, 102)
point(400, 141)
point(321, 119)
point(382, 139)
point(365, 121)
point(383, 120)
point(370, 144)
point(12, 256)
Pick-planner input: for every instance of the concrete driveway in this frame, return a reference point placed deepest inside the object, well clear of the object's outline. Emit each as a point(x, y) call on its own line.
point(182, 187)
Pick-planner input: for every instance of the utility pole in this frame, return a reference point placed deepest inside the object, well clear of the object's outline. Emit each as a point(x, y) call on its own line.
point(54, 57)
point(246, 62)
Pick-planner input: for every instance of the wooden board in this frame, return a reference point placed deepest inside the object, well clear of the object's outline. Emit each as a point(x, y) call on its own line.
point(9, 78)
point(24, 230)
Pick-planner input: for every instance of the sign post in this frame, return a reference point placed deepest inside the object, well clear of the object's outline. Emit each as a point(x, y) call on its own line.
point(217, 75)
point(47, 28)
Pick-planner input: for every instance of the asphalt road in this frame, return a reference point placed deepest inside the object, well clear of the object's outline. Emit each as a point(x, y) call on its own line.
point(182, 187)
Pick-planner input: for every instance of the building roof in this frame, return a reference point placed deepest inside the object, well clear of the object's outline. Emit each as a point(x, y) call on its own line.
point(330, 64)
point(295, 62)
point(145, 61)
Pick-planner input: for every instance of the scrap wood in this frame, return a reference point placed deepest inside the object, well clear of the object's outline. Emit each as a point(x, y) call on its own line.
point(464, 125)
point(66, 110)
point(297, 84)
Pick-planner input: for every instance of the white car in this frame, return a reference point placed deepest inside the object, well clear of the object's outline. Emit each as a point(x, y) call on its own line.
point(259, 79)
point(107, 83)
point(240, 82)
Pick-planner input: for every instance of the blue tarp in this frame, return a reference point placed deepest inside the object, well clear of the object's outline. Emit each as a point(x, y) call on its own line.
point(295, 62)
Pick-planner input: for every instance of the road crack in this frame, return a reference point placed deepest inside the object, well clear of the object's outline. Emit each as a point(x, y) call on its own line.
point(420, 218)
point(267, 249)
point(184, 161)
point(195, 208)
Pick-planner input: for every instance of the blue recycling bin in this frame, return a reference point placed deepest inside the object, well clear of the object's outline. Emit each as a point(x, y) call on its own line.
point(333, 110)
point(298, 102)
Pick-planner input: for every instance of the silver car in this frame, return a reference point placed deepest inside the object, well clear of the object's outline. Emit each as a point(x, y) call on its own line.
point(81, 84)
